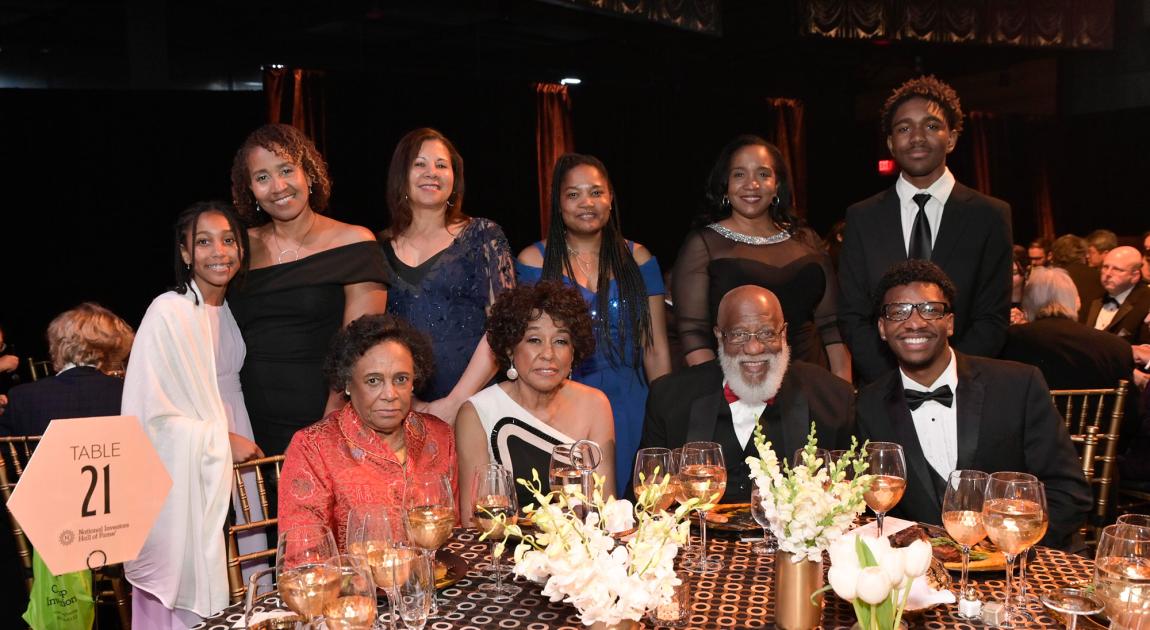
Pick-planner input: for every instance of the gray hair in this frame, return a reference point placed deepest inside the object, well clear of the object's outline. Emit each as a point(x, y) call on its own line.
point(1049, 292)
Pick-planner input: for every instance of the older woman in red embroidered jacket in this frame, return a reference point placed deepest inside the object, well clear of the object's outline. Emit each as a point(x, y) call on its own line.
point(354, 455)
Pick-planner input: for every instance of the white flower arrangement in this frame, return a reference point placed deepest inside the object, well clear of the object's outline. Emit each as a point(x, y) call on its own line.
point(875, 577)
point(583, 563)
point(810, 505)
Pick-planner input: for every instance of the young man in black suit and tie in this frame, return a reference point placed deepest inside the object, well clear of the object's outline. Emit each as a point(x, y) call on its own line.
point(952, 411)
point(926, 215)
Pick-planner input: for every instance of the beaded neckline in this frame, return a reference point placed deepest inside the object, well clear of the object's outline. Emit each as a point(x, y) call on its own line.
point(738, 237)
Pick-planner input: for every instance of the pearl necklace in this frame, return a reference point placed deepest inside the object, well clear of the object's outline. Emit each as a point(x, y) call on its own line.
point(293, 253)
point(739, 237)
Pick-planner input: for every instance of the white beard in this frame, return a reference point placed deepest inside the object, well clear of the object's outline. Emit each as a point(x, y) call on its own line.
point(766, 390)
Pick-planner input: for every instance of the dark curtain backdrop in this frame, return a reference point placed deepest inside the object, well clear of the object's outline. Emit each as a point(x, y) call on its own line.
point(296, 97)
point(785, 117)
point(553, 138)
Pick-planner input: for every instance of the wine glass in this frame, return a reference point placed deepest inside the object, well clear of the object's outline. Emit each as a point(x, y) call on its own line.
point(414, 588)
point(493, 495)
point(887, 464)
point(1015, 516)
point(262, 584)
point(354, 606)
point(429, 516)
point(652, 465)
point(307, 577)
point(371, 536)
point(767, 545)
point(1141, 520)
point(703, 476)
point(1073, 602)
point(962, 516)
point(1122, 575)
point(572, 472)
point(1023, 599)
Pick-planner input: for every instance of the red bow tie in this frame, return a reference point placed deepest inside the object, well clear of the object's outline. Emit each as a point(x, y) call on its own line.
point(733, 397)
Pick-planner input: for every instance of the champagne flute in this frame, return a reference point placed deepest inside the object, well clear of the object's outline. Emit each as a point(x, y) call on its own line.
point(354, 606)
point(572, 473)
point(962, 516)
point(887, 464)
point(307, 578)
point(414, 591)
point(1015, 516)
point(1122, 575)
point(703, 476)
point(767, 545)
point(493, 495)
point(429, 516)
point(652, 465)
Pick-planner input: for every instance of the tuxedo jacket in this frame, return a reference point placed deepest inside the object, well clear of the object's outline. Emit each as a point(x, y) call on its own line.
point(688, 406)
point(80, 392)
point(1129, 322)
point(973, 247)
point(1006, 422)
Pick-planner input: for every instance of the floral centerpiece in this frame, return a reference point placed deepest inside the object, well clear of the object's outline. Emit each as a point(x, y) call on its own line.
point(875, 577)
point(609, 578)
point(809, 505)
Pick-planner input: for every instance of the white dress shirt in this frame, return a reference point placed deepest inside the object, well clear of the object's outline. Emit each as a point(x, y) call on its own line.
point(744, 416)
point(939, 192)
point(935, 423)
point(1109, 309)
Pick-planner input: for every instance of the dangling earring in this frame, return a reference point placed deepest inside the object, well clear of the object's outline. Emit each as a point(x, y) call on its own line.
point(347, 392)
point(187, 266)
point(726, 203)
point(451, 201)
point(512, 373)
point(309, 189)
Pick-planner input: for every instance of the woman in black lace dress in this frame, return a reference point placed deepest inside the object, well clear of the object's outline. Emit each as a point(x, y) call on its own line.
point(749, 234)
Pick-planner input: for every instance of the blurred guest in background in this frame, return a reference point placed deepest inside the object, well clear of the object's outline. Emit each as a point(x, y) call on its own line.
point(1039, 252)
point(1123, 309)
point(1069, 252)
point(1098, 244)
point(9, 363)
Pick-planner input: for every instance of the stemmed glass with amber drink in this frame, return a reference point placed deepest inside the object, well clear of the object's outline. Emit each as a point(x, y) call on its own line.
point(702, 476)
point(354, 605)
point(1122, 575)
point(962, 516)
point(652, 465)
point(306, 570)
point(373, 534)
point(1015, 516)
point(887, 465)
point(493, 495)
point(429, 516)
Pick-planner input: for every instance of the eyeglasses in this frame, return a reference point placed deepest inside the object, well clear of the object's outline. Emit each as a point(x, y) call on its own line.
point(900, 311)
point(765, 337)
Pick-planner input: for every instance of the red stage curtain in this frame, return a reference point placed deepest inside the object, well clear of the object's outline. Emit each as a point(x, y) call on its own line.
point(553, 138)
point(978, 129)
point(296, 97)
point(785, 124)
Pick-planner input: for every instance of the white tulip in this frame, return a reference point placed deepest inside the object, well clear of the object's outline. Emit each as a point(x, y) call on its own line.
point(917, 558)
point(893, 564)
point(844, 581)
point(873, 585)
point(843, 553)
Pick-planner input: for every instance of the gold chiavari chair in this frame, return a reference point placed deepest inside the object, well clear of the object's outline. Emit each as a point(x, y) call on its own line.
point(39, 368)
point(111, 588)
point(1094, 419)
point(262, 468)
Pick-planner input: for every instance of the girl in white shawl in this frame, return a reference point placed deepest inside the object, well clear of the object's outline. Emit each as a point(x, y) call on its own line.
point(196, 421)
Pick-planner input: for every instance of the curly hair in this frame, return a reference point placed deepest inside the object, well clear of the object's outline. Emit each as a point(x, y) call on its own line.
point(913, 270)
point(397, 179)
point(292, 145)
point(714, 208)
point(926, 87)
point(367, 332)
point(514, 308)
point(89, 335)
point(615, 262)
point(185, 226)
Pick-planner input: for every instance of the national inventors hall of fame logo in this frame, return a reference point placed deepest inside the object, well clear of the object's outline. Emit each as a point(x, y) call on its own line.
point(67, 537)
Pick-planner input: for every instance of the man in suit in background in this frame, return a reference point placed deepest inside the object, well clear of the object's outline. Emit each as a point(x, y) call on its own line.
point(751, 382)
point(1069, 252)
point(953, 411)
point(930, 216)
point(1122, 311)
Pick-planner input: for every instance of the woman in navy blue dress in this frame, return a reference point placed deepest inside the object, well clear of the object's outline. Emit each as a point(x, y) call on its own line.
point(622, 284)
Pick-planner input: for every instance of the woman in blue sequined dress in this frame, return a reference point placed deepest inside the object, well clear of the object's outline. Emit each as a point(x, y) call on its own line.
point(444, 268)
point(621, 282)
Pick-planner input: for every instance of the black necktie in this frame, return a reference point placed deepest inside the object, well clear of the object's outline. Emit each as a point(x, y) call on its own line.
point(920, 233)
point(942, 396)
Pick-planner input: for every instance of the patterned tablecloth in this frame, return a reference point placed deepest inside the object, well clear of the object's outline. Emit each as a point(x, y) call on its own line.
point(739, 596)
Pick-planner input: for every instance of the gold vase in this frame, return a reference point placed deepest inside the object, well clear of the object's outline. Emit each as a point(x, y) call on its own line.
point(626, 624)
point(794, 583)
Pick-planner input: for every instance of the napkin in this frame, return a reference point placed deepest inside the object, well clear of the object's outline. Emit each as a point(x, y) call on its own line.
point(923, 596)
point(261, 616)
point(890, 525)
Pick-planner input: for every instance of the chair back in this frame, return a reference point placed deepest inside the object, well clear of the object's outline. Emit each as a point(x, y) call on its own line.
point(39, 368)
point(14, 455)
point(1093, 418)
point(257, 472)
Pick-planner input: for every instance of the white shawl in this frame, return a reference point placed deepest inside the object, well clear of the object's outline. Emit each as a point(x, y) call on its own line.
point(171, 387)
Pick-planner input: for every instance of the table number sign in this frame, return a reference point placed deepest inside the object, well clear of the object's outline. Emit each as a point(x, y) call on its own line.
point(90, 493)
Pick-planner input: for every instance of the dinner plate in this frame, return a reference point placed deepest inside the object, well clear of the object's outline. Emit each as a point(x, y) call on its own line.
point(449, 568)
point(729, 517)
point(994, 560)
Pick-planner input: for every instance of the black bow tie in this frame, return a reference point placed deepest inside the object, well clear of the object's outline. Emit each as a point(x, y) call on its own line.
point(942, 396)
point(1110, 300)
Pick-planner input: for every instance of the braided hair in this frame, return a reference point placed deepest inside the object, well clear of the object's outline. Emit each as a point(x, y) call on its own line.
point(615, 261)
